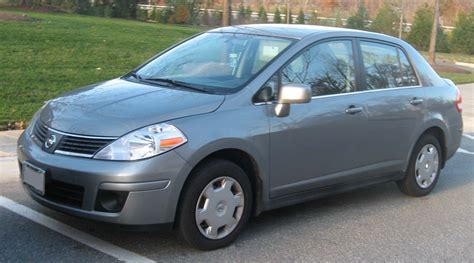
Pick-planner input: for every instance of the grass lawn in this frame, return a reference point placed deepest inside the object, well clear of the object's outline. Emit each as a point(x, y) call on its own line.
point(53, 53)
point(46, 54)
point(458, 78)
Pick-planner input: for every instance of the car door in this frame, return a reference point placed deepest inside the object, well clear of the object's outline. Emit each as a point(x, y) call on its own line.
point(322, 142)
point(394, 103)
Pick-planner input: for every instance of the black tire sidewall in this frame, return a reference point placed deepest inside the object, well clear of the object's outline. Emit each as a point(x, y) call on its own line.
point(200, 178)
point(409, 184)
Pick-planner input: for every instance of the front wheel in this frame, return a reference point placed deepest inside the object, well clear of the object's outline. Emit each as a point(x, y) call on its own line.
point(424, 168)
point(215, 205)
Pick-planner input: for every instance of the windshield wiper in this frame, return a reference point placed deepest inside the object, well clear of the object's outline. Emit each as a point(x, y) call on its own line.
point(177, 83)
point(135, 75)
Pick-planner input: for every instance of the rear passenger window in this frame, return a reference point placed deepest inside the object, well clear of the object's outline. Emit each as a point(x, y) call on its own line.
point(386, 67)
point(328, 68)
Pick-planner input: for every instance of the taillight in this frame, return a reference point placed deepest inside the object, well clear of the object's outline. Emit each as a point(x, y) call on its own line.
point(458, 101)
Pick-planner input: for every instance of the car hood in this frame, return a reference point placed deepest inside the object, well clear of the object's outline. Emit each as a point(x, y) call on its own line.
point(116, 107)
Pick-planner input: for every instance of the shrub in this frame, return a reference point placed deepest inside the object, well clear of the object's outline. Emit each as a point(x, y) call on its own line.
point(357, 21)
point(108, 11)
point(300, 19)
point(385, 21)
point(181, 15)
point(420, 33)
point(463, 34)
point(205, 18)
point(262, 15)
point(165, 15)
point(277, 16)
point(141, 14)
point(313, 19)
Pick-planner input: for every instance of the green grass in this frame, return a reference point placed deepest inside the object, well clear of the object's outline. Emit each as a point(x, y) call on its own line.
point(59, 52)
point(458, 78)
point(451, 57)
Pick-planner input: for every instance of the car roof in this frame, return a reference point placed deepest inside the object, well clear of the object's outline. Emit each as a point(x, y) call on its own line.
point(284, 30)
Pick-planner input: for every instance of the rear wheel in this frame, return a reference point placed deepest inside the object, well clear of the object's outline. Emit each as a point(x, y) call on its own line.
point(425, 165)
point(215, 205)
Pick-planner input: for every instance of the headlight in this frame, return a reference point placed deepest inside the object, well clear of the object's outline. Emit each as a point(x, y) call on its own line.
point(143, 143)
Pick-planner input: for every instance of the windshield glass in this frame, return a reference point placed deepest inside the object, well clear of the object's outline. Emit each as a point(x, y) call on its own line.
point(220, 61)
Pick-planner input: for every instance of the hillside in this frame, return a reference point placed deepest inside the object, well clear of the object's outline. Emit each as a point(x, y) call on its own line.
point(44, 55)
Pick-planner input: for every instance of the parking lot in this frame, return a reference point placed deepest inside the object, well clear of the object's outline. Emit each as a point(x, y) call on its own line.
point(373, 224)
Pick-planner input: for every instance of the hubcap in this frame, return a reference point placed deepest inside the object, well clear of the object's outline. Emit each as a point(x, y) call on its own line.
point(219, 207)
point(426, 166)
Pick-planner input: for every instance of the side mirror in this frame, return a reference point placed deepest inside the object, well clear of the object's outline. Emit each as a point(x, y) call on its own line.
point(292, 94)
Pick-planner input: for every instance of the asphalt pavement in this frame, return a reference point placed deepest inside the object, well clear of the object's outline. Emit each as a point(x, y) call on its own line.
point(373, 224)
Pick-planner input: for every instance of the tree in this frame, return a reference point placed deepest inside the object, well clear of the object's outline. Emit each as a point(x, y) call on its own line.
point(300, 19)
point(154, 14)
point(248, 14)
point(277, 16)
point(313, 19)
point(241, 14)
point(205, 19)
point(181, 15)
point(289, 19)
point(338, 20)
point(434, 31)
point(357, 21)
point(385, 21)
point(227, 14)
point(463, 33)
point(419, 35)
point(420, 31)
point(262, 15)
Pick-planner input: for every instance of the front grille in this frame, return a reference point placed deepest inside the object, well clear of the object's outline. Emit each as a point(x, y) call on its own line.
point(64, 193)
point(80, 145)
point(71, 144)
point(40, 130)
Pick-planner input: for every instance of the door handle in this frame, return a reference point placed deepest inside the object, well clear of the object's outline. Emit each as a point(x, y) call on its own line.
point(416, 101)
point(353, 109)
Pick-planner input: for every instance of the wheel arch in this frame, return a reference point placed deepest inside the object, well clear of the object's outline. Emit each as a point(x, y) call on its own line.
point(440, 134)
point(243, 159)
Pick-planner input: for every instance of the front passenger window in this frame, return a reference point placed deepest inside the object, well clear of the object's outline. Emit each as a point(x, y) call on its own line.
point(328, 68)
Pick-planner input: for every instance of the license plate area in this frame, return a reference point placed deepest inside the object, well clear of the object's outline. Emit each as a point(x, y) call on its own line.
point(34, 177)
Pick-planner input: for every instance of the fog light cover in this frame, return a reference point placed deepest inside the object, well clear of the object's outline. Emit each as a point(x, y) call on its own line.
point(110, 201)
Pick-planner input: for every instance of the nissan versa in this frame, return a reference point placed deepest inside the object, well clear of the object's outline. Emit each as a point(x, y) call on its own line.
point(239, 120)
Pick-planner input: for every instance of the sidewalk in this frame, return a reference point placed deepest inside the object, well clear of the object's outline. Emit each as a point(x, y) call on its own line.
point(8, 142)
point(8, 162)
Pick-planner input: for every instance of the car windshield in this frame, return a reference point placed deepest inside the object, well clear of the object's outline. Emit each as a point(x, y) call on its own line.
point(220, 62)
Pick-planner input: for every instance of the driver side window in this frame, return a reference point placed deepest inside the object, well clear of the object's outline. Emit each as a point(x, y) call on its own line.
point(328, 68)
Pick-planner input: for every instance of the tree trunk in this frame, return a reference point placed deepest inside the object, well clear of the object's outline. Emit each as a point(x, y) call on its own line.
point(226, 14)
point(434, 31)
point(400, 29)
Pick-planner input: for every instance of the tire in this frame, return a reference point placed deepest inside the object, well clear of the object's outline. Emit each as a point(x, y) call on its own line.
point(422, 174)
point(219, 203)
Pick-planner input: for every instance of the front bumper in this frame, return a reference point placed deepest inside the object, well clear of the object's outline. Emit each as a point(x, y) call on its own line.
point(153, 185)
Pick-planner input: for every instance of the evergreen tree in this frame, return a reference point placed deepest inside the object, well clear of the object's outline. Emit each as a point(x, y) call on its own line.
point(262, 15)
point(338, 22)
point(248, 14)
point(154, 14)
point(277, 16)
point(420, 33)
point(205, 19)
point(241, 14)
point(463, 34)
point(289, 19)
point(385, 21)
point(313, 19)
point(357, 21)
point(300, 19)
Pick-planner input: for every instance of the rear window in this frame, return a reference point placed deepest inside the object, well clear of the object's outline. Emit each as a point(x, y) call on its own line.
point(386, 67)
